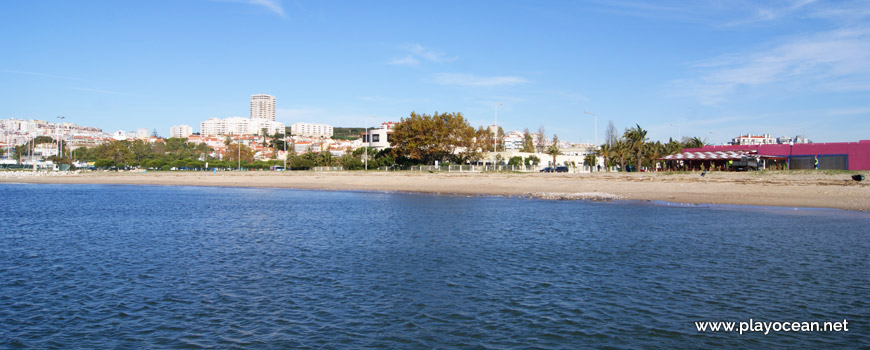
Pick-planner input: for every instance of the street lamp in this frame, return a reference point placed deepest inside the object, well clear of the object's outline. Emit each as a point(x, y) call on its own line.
point(285, 149)
point(495, 139)
point(596, 126)
point(58, 142)
point(369, 138)
point(679, 134)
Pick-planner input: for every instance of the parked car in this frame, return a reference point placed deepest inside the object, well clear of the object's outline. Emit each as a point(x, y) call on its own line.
point(559, 169)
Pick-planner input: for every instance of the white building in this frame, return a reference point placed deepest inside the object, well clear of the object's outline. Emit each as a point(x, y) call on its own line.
point(380, 137)
point(750, 139)
point(239, 126)
point(513, 140)
point(180, 131)
point(311, 130)
point(263, 107)
point(142, 134)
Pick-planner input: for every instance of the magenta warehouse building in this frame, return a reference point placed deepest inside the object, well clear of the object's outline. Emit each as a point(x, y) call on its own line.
point(832, 155)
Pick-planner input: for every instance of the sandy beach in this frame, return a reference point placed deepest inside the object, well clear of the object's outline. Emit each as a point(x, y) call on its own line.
point(762, 189)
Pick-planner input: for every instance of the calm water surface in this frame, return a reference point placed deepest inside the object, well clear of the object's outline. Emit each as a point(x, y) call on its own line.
point(96, 266)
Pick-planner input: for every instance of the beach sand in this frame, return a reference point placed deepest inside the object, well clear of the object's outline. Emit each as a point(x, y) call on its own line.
point(782, 189)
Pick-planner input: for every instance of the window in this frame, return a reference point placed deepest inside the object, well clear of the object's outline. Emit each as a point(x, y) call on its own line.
point(376, 138)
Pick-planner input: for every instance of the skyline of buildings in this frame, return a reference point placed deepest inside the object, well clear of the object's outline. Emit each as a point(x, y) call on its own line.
point(263, 107)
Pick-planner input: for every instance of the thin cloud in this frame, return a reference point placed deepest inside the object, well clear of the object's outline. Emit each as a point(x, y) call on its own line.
point(477, 81)
point(830, 61)
point(405, 61)
point(415, 54)
point(271, 5)
point(105, 92)
point(45, 75)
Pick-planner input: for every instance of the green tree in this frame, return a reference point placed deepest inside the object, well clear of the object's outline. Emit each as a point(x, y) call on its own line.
point(694, 142)
point(528, 142)
point(118, 152)
point(590, 160)
point(606, 152)
point(620, 150)
point(515, 161)
point(636, 138)
point(553, 151)
point(103, 163)
point(532, 161)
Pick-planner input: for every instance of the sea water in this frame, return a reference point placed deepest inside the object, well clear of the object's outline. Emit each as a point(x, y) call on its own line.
point(102, 266)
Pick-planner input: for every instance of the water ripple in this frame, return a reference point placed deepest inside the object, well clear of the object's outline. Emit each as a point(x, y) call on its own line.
point(201, 268)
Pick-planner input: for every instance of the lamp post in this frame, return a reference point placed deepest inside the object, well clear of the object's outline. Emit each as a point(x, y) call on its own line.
point(679, 134)
point(495, 139)
point(369, 139)
point(285, 149)
point(58, 141)
point(596, 126)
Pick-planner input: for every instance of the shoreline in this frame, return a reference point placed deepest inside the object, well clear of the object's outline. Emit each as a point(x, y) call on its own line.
point(810, 190)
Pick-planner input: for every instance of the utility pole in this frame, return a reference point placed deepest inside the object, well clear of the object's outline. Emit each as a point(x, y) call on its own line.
point(596, 126)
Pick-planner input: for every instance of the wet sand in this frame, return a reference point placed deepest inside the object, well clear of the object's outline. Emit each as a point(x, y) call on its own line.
point(782, 189)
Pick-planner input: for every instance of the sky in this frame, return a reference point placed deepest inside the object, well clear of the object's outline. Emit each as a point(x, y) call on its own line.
point(708, 69)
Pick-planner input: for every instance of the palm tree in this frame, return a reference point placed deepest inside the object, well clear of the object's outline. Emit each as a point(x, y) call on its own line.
point(653, 152)
point(620, 150)
point(636, 138)
point(694, 142)
point(553, 150)
point(606, 152)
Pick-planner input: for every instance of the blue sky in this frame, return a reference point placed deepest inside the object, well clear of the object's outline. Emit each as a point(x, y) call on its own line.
point(714, 68)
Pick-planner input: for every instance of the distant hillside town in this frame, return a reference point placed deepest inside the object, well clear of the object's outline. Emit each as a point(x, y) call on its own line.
point(32, 141)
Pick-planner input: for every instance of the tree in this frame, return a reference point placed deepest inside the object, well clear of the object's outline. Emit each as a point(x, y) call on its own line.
point(590, 160)
point(528, 143)
point(235, 150)
point(265, 133)
point(553, 150)
point(636, 138)
point(606, 152)
point(654, 151)
point(694, 142)
point(620, 151)
point(117, 152)
point(427, 138)
point(611, 136)
point(499, 140)
point(515, 161)
point(541, 139)
point(532, 161)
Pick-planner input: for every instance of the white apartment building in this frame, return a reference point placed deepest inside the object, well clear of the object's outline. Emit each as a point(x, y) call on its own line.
point(750, 139)
point(263, 107)
point(513, 140)
point(239, 126)
point(142, 134)
point(311, 130)
point(379, 138)
point(180, 131)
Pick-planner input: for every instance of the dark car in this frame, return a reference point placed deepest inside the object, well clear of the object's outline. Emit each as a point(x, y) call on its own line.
point(559, 169)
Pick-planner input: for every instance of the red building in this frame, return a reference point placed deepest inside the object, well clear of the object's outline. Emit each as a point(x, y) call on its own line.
point(832, 155)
